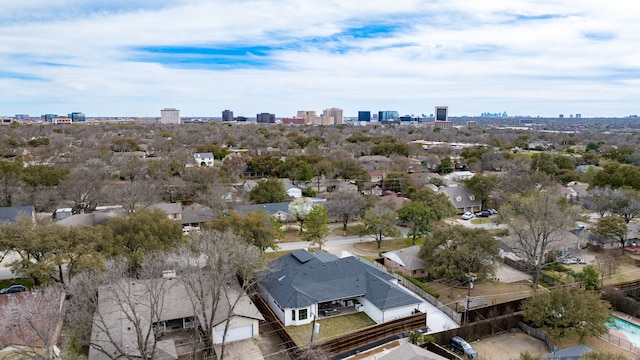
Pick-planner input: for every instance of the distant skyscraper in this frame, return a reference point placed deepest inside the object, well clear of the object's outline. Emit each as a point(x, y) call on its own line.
point(266, 118)
point(310, 117)
point(388, 115)
point(49, 117)
point(227, 115)
point(170, 116)
point(442, 113)
point(336, 114)
point(77, 117)
point(364, 116)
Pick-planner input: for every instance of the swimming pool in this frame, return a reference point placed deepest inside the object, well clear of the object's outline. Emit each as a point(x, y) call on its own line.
point(632, 331)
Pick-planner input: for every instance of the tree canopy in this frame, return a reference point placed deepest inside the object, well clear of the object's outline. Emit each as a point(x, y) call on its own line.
point(453, 252)
point(568, 309)
point(267, 191)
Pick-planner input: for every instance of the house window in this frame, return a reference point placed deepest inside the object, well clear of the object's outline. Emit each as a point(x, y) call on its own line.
point(302, 314)
point(472, 197)
point(458, 198)
point(293, 315)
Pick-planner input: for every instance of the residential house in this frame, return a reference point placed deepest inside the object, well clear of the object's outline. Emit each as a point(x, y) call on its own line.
point(377, 175)
point(174, 317)
point(459, 176)
point(301, 286)
point(278, 210)
point(33, 322)
point(293, 191)
point(204, 159)
point(173, 210)
point(394, 200)
point(406, 261)
point(462, 198)
point(11, 214)
point(196, 215)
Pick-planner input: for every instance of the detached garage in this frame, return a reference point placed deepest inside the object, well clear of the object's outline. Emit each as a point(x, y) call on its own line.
point(243, 324)
point(235, 334)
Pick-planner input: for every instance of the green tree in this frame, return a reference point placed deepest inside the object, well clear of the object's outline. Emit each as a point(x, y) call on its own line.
point(10, 176)
point(482, 186)
point(380, 221)
point(536, 219)
point(612, 226)
point(264, 164)
point(446, 165)
point(616, 176)
point(452, 253)
point(567, 309)
point(142, 232)
point(315, 226)
point(268, 191)
point(590, 277)
point(257, 228)
point(43, 175)
point(125, 145)
point(416, 216)
point(439, 203)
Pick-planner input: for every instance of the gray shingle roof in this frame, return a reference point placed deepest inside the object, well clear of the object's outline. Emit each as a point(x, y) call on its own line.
point(300, 279)
point(12, 213)
point(462, 196)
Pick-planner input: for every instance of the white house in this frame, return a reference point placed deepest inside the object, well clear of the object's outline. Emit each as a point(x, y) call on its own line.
point(301, 285)
point(204, 159)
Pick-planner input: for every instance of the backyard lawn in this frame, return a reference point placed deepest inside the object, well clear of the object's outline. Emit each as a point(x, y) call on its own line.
point(330, 328)
point(387, 245)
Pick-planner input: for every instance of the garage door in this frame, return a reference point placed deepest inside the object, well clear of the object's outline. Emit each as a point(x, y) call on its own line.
point(234, 334)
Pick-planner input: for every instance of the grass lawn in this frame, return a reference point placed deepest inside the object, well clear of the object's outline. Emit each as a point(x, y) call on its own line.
point(330, 328)
point(595, 343)
point(5, 283)
point(292, 235)
point(492, 291)
point(481, 221)
point(387, 245)
point(270, 256)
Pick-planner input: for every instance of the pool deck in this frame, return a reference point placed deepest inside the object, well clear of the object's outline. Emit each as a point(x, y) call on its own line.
point(623, 341)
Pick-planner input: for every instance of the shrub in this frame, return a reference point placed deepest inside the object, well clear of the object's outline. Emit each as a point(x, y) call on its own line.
point(422, 286)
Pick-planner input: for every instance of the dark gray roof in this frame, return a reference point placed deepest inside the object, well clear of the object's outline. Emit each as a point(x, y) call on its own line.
point(197, 214)
point(574, 353)
point(408, 351)
point(12, 213)
point(272, 208)
point(462, 196)
point(300, 279)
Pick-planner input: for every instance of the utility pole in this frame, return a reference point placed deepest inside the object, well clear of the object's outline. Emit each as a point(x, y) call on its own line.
point(466, 308)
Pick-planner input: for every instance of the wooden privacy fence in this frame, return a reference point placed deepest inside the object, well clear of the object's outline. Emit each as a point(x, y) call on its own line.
point(372, 334)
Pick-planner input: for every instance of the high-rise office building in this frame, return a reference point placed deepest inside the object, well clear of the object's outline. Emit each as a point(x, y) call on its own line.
point(364, 116)
point(388, 115)
point(170, 116)
point(77, 117)
point(227, 115)
point(442, 113)
point(266, 118)
point(336, 114)
point(310, 117)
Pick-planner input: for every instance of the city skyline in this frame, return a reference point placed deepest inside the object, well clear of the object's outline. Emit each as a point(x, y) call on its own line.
point(134, 58)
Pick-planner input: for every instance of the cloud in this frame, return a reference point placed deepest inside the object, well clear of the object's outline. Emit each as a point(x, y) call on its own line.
point(138, 56)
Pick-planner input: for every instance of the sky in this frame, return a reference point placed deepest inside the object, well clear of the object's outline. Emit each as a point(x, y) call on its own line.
point(135, 57)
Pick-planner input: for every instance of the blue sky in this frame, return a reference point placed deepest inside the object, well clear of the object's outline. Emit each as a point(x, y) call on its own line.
point(134, 57)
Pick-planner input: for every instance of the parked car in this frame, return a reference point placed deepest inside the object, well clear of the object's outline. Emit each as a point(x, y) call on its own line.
point(460, 346)
point(329, 312)
point(467, 216)
point(483, 213)
point(492, 211)
point(13, 289)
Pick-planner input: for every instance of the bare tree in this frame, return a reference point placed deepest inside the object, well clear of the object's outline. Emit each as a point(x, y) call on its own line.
point(115, 302)
point(537, 219)
point(136, 194)
point(345, 205)
point(32, 321)
point(607, 265)
point(84, 184)
point(209, 264)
